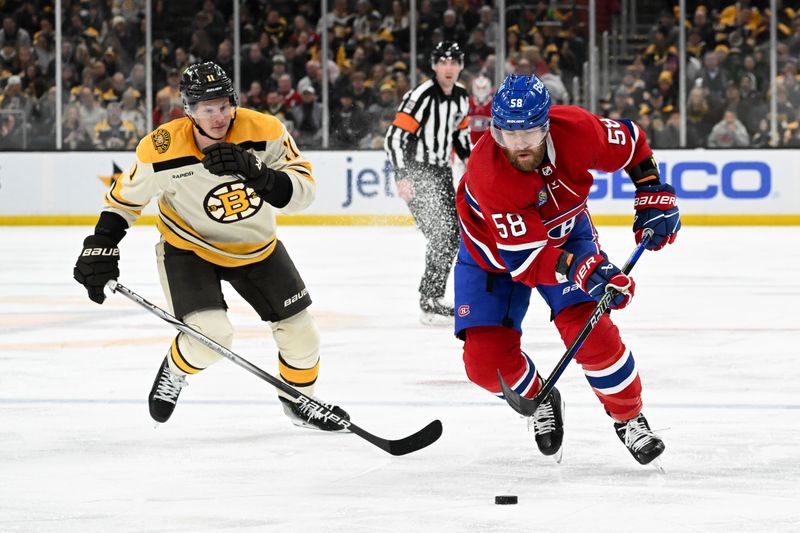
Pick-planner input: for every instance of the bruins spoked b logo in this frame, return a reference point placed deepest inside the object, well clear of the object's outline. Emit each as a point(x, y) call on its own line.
point(231, 202)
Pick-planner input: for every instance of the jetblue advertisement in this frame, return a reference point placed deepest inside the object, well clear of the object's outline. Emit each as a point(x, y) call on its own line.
point(360, 184)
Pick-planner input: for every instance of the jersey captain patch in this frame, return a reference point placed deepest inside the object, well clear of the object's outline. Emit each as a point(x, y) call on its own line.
point(161, 139)
point(231, 202)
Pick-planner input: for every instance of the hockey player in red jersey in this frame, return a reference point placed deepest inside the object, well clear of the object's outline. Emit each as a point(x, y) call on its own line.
point(525, 224)
point(480, 108)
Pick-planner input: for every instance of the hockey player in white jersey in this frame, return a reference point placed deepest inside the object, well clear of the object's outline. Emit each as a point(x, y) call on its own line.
point(218, 175)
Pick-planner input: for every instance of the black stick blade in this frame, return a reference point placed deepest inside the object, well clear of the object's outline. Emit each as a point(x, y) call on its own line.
point(421, 439)
point(523, 406)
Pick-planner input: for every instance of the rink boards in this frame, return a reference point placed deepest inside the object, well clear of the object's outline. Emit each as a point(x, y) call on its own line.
point(714, 187)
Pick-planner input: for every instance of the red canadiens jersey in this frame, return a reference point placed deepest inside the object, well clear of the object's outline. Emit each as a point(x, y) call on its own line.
point(514, 221)
point(480, 117)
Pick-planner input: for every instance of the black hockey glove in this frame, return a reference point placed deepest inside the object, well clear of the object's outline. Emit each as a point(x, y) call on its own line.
point(227, 159)
point(97, 264)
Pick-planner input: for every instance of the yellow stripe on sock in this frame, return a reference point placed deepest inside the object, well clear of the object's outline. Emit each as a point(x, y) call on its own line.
point(180, 361)
point(297, 377)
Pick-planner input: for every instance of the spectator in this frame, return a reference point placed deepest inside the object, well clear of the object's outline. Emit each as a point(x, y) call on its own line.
point(276, 28)
point(75, 136)
point(386, 103)
point(138, 78)
point(118, 87)
point(14, 98)
point(255, 67)
point(451, 29)
point(172, 89)
point(44, 44)
point(477, 50)
point(9, 62)
point(165, 110)
point(363, 96)
point(132, 111)
point(340, 21)
point(791, 134)
point(278, 70)
point(113, 133)
point(289, 96)
point(761, 137)
point(308, 120)
point(254, 97)
point(361, 20)
point(225, 55)
point(11, 33)
point(11, 134)
point(43, 122)
point(488, 24)
point(275, 107)
point(313, 77)
point(397, 21)
point(668, 134)
point(729, 133)
point(350, 126)
point(713, 79)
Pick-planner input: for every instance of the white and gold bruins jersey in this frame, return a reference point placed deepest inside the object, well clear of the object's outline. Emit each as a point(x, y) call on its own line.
point(216, 217)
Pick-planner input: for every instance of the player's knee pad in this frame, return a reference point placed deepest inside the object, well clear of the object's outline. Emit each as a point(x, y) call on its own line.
point(297, 338)
point(488, 349)
point(190, 355)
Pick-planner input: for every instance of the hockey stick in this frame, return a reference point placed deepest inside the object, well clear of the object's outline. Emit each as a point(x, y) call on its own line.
point(527, 406)
point(422, 438)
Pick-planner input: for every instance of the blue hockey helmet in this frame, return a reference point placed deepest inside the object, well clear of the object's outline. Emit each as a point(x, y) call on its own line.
point(521, 103)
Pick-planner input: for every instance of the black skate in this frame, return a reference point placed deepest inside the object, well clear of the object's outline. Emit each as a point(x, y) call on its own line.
point(305, 416)
point(636, 435)
point(548, 425)
point(164, 394)
point(435, 312)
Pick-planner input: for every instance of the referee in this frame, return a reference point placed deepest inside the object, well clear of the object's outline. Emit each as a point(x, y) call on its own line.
point(430, 123)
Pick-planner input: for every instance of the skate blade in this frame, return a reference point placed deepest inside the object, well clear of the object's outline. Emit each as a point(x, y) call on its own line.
point(656, 463)
point(559, 455)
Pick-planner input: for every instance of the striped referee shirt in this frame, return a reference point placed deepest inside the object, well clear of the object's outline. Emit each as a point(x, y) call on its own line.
point(428, 126)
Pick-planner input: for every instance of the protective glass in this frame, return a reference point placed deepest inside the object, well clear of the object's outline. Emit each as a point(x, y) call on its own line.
point(520, 139)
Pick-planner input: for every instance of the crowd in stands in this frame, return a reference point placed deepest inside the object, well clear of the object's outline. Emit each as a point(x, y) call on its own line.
point(727, 75)
point(103, 73)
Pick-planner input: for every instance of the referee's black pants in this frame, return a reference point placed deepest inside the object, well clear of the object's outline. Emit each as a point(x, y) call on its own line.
point(434, 210)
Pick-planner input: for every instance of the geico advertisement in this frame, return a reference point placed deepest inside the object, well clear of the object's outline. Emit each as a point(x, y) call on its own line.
point(361, 183)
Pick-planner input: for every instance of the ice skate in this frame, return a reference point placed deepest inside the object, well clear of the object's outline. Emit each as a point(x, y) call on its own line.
point(164, 394)
point(435, 312)
point(304, 415)
point(548, 425)
point(644, 445)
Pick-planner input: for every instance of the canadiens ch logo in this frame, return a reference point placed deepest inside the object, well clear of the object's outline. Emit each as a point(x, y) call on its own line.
point(161, 139)
point(463, 310)
point(231, 202)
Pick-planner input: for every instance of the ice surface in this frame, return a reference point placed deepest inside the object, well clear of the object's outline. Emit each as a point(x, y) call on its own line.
point(714, 328)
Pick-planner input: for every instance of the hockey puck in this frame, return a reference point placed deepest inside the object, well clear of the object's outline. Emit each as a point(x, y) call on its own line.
point(506, 499)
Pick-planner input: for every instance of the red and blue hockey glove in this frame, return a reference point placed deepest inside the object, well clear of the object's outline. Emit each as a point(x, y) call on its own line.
point(656, 209)
point(594, 274)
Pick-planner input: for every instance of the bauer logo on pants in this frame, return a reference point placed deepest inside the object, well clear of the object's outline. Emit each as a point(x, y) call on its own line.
point(289, 301)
